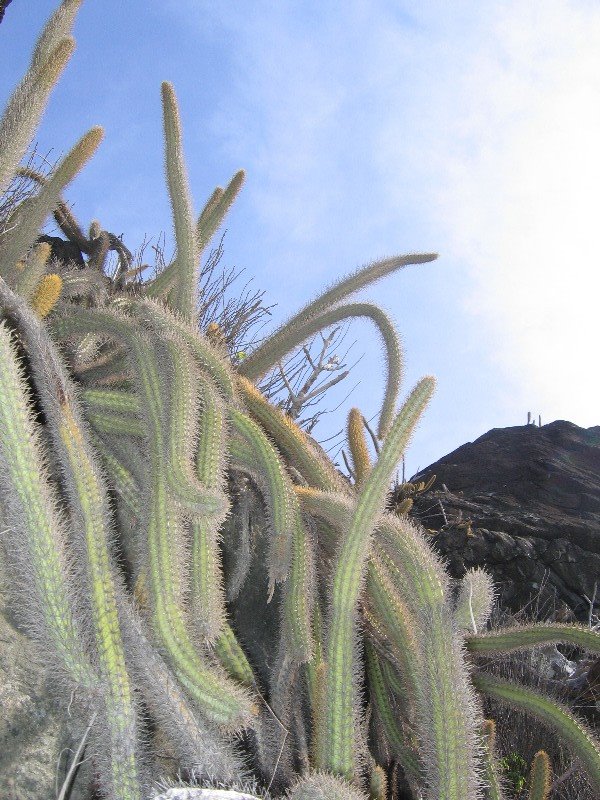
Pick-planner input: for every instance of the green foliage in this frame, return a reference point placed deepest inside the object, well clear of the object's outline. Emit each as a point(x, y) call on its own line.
point(123, 428)
point(515, 769)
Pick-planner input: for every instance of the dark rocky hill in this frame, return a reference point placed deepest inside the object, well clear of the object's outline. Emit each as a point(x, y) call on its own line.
point(525, 502)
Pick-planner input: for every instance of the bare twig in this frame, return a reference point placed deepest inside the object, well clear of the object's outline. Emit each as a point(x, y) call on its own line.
point(373, 436)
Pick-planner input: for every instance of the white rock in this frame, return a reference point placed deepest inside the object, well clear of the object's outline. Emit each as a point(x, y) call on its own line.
point(184, 793)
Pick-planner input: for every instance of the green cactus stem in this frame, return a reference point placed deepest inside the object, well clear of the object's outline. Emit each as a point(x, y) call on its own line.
point(540, 777)
point(381, 695)
point(574, 733)
point(27, 103)
point(181, 204)
point(34, 510)
point(491, 770)
point(16, 243)
point(337, 734)
point(521, 637)
point(302, 452)
point(207, 593)
point(90, 511)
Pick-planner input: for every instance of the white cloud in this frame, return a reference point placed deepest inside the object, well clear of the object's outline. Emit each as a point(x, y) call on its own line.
point(521, 200)
point(476, 124)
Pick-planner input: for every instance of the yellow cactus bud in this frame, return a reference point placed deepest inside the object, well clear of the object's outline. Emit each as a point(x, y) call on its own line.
point(358, 445)
point(46, 294)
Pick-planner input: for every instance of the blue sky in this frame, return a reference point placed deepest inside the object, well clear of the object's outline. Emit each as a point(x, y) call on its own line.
point(368, 129)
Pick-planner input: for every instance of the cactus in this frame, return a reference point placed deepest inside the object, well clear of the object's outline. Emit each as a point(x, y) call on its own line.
point(539, 778)
point(129, 446)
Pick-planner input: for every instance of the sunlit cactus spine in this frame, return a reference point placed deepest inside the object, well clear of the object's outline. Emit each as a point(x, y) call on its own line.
point(116, 499)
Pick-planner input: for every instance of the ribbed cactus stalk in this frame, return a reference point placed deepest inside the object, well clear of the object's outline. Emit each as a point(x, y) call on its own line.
point(491, 771)
point(337, 734)
point(187, 262)
point(519, 637)
point(357, 442)
point(540, 777)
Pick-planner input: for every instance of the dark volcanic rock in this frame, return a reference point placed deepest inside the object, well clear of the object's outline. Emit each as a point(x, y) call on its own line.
point(525, 502)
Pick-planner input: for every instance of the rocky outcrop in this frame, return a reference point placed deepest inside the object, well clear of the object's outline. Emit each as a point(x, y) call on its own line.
point(524, 502)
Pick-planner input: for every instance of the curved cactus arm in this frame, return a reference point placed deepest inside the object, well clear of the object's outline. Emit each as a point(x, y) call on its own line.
point(393, 627)
point(298, 448)
point(182, 409)
point(199, 745)
point(207, 593)
point(475, 600)
point(119, 476)
point(337, 731)
point(118, 424)
point(94, 513)
point(186, 286)
point(254, 453)
point(219, 699)
point(251, 366)
point(299, 596)
point(316, 663)
point(233, 658)
point(242, 557)
point(114, 400)
point(209, 359)
point(290, 550)
point(275, 349)
point(16, 243)
point(572, 731)
point(521, 637)
point(113, 411)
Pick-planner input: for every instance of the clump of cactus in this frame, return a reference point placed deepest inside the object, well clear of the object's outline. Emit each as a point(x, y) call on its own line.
point(124, 433)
